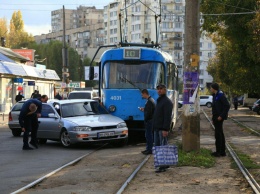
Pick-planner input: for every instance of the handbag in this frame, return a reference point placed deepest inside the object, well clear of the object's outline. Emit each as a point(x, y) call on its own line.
point(165, 155)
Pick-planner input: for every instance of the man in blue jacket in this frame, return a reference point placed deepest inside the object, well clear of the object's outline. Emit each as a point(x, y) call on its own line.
point(28, 120)
point(220, 108)
point(162, 119)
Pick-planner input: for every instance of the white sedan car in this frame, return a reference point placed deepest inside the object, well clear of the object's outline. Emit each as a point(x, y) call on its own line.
point(205, 100)
point(75, 121)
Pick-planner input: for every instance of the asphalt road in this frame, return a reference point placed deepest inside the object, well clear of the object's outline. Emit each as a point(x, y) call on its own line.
point(20, 167)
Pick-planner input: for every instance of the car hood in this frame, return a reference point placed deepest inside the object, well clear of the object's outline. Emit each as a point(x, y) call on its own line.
point(95, 120)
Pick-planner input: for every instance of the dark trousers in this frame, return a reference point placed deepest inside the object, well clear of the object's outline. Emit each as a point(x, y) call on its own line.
point(148, 135)
point(219, 136)
point(235, 105)
point(30, 125)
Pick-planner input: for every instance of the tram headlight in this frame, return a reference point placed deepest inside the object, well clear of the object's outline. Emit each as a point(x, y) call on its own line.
point(112, 108)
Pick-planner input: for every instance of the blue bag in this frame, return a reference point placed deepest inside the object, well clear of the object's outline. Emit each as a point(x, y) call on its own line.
point(165, 155)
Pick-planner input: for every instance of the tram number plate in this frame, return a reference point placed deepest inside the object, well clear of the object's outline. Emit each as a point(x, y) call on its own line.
point(106, 134)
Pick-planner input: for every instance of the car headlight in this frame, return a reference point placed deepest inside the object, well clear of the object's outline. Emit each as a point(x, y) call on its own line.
point(112, 108)
point(85, 128)
point(121, 125)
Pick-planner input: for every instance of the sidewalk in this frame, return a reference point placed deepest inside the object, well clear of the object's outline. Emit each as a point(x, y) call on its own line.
point(3, 119)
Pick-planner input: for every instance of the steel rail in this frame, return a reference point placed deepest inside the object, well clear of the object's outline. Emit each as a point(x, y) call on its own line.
point(254, 131)
point(30, 185)
point(250, 179)
point(130, 178)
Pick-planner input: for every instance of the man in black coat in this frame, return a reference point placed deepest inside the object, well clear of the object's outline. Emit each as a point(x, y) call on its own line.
point(220, 108)
point(148, 116)
point(18, 97)
point(162, 119)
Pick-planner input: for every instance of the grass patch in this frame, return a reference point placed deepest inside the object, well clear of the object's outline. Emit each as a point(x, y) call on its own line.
point(196, 159)
point(246, 160)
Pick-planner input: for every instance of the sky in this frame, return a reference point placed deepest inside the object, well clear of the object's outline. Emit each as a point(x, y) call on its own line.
point(37, 13)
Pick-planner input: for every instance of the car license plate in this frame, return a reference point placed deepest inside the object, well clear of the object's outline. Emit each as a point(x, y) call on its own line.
point(106, 134)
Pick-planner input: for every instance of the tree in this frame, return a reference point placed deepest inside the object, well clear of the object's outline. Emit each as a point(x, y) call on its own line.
point(16, 34)
point(237, 64)
point(53, 54)
point(3, 27)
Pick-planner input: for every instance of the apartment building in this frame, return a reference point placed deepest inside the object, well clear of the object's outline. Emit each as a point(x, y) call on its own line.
point(84, 29)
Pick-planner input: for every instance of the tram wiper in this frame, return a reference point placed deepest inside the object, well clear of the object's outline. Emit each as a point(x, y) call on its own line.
point(130, 82)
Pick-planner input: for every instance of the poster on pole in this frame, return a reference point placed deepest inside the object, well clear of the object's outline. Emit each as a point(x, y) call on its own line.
point(190, 87)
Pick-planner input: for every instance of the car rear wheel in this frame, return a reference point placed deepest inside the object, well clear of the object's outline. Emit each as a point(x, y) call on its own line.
point(65, 138)
point(209, 104)
point(16, 132)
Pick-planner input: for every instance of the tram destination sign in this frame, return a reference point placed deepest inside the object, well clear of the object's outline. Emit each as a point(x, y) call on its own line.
point(130, 53)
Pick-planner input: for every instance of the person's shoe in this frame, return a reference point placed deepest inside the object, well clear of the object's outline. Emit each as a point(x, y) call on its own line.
point(147, 152)
point(160, 169)
point(223, 154)
point(215, 154)
point(143, 151)
point(27, 148)
point(34, 145)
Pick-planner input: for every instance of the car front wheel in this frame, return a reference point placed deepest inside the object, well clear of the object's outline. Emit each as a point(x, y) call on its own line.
point(16, 132)
point(209, 104)
point(65, 138)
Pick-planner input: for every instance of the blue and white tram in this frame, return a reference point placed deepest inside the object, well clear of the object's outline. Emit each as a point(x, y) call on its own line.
point(125, 71)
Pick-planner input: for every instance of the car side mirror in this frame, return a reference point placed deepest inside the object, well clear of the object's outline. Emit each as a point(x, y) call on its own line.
point(52, 115)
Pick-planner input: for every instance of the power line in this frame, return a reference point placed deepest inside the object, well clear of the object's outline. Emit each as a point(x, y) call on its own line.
point(231, 5)
point(219, 14)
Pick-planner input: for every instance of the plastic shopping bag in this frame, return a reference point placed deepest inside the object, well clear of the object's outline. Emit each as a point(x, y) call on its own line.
point(165, 155)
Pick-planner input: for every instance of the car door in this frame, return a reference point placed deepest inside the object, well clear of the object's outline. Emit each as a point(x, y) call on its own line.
point(48, 127)
point(203, 100)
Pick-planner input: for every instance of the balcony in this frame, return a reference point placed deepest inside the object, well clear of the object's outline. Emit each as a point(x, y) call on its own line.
point(176, 38)
point(177, 47)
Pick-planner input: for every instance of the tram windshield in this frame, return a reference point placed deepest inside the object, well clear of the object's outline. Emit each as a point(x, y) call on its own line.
point(130, 75)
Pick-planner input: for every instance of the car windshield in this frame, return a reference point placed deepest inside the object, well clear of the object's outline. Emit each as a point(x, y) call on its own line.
point(82, 109)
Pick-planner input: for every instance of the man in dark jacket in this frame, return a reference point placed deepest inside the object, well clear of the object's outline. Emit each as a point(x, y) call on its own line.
point(162, 119)
point(148, 116)
point(220, 108)
point(28, 120)
point(18, 97)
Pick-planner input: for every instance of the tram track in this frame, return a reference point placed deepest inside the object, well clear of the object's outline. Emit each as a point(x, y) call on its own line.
point(73, 162)
point(248, 176)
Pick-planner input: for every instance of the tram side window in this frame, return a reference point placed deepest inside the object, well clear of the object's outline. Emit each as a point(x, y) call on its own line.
point(170, 76)
point(160, 75)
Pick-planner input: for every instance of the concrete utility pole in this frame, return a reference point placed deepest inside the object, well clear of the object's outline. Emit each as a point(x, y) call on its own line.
point(65, 69)
point(191, 108)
